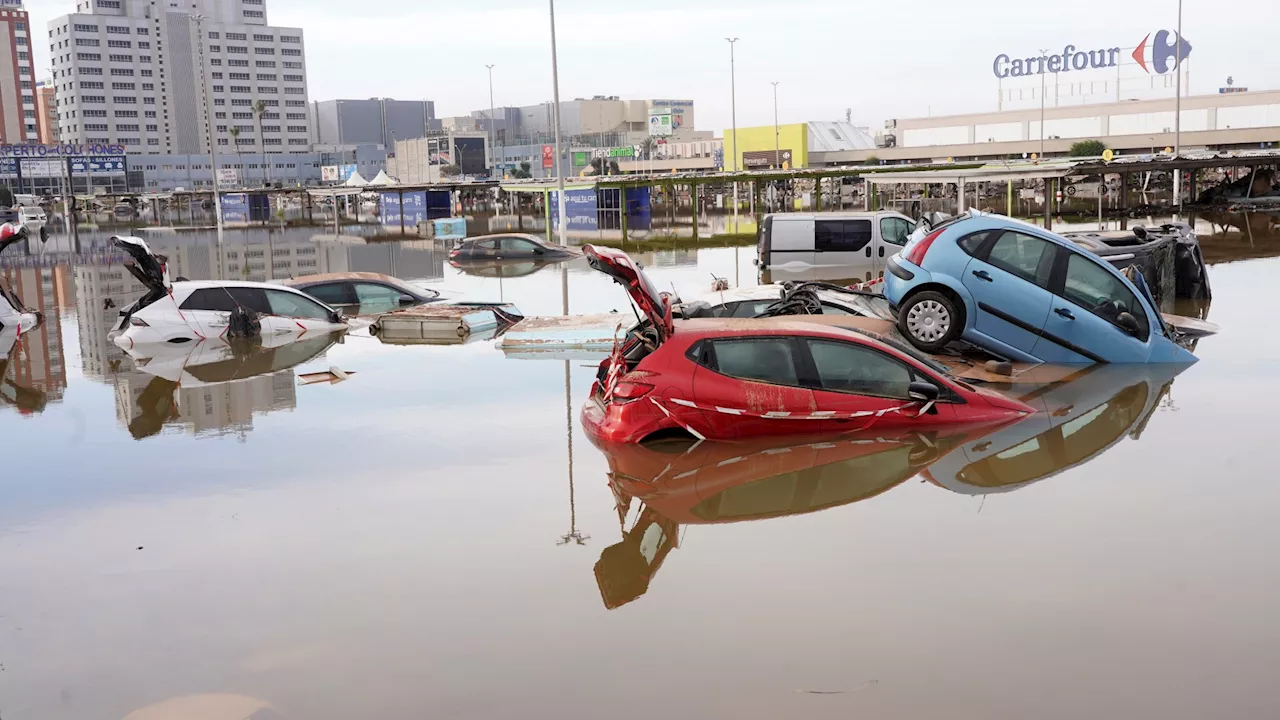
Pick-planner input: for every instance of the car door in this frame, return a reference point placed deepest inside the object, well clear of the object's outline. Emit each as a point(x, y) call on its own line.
point(1084, 323)
point(333, 294)
point(855, 384)
point(790, 242)
point(483, 249)
point(894, 233)
point(1009, 281)
point(292, 312)
point(518, 248)
point(376, 298)
point(208, 310)
point(845, 242)
point(750, 386)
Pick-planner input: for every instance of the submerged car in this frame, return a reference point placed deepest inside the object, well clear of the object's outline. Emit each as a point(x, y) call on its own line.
point(188, 311)
point(363, 293)
point(509, 247)
point(752, 302)
point(1168, 257)
point(1024, 294)
point(14, 314)
point(724, 379)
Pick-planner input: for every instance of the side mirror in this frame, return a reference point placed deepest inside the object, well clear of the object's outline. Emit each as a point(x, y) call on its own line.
point(408, 300)
point(1129, 324)
point(923, 392)
point(539, 251)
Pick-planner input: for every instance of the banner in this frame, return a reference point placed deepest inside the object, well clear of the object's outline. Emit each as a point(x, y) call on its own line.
point(235, 208)
point(412, 212)
point(579, 206)
point(329, 173)
point(660, 123)
point(548, 156)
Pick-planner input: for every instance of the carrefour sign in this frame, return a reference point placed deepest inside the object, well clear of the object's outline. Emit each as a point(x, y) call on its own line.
point(1160, 56)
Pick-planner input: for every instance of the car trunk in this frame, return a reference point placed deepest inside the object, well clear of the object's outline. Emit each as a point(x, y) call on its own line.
point(151, 270)
point(655, 309)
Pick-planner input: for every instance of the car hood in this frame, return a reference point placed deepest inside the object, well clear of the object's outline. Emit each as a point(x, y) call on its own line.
point(150, 269)
point(11, 233)
point(619, 266)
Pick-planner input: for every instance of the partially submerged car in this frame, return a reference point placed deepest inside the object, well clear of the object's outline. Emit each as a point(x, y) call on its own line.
point(756, 301)
point(744, 378)
point(508, 246)
point(1168, 257)
point(14, 314)
point(362, 293)
point(187, 311)
point(1025, 294)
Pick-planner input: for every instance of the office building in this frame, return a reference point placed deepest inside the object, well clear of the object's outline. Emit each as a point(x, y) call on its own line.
point(377, 121)
point(18, 113)
point(46, 113)
point(138, 74)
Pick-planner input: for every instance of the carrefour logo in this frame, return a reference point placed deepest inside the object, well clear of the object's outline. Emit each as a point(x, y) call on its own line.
point(1160, 56)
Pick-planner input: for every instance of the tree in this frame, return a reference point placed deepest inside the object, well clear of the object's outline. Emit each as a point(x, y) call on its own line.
point(260, 109)
point(600, 168)
point(647, 145)
point(1087, 148)
point(871, 160)
point(450, 171)
point(523, 172)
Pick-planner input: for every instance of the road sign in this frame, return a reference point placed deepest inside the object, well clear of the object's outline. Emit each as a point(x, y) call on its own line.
point(1108, 155)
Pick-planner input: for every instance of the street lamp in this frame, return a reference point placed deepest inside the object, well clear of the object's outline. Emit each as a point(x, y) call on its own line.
point(1177, 116)
point(1043, 61)
point(555, 83)
point(489, 127)
point(777, 143)
point(733, 98)
point(208, 124)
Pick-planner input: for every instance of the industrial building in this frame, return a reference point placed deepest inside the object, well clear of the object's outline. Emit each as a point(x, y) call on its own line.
point(376, 121)
point(792, 145)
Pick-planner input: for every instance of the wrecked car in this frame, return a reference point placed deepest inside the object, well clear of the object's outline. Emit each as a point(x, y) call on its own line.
point(489, 248)
point(363, 293)
point(743, 378)
point(14, 314)
point(762, 300)
point(1168, 256)
point(186, 311)
point(1024, 294)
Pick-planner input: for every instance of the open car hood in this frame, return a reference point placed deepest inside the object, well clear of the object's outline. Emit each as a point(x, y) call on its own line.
point(11, 233)
point(150, 269)
point(619, 266)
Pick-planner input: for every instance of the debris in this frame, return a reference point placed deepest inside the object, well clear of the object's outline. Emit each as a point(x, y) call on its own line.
point(332, 376)
point(444, 324)
point(560, 332)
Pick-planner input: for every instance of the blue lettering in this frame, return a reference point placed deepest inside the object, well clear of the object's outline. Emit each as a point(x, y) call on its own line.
point(1080, 61)
point(1001, 66)
point(1015, 69)
point(1066, 57)
point(1055, 63)
point(1097, 59)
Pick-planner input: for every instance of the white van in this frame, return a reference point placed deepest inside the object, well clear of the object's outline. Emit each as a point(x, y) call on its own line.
point(31, 215)
point(822, 246)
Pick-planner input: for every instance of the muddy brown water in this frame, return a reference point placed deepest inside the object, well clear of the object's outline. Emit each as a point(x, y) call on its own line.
point(435, 537)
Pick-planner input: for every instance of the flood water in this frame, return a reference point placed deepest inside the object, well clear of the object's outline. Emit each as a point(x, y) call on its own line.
point(435, 536)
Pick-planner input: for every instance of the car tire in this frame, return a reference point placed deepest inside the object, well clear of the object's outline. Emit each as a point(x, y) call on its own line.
point(930, 321)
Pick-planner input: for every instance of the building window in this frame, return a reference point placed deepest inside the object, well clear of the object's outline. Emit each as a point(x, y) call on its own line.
point(87, 42)
point(89, 57)
point(265, 64)
point(290, 39)
point(295, 103)
point(144, 72)
point(264, 51)
point(143, 31)
point(217, 76)
point(126, 113)
point(141, 58)
point(243, 89)
point(122, 72)
point(149, 113)
point(266, 77)
point(222, 128)
point(271, 141)
point(296, 116)
point(117, 30)
point(218, 88)
point(113, 4)
point(265, 90)
point(151, 101)
point(93, 99)
point(148, 86)
point(298, 141)
point(220, 115)
point(123, 86)
point(238, 63)
point(126, 128)
point(215, 61)
point(125, 100)
point(144, 45)
point(152, 128)
point(219, 101)
point(94, 127)
point(294, 91)
point(293, 78)
point(214, 35)
point(120, 43)
point(238, 76)
point(264, 38)
point(256, 14)
point(270, 128)
point(291, 51)
point(215, 48)
point(242, 116)
point(237, 50)
point(86, 28)
point(120, 58)
point(94, 113)
point(237, 36)
point(291, 65)
point(297, 128)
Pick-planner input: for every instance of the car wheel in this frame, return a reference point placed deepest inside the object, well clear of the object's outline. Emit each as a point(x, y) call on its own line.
point(929, 320)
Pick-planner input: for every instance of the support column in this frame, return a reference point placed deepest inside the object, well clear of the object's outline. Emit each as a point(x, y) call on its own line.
point(1049, 188)
point(1008, 203)
point(697, 202)
point(817, 195)
point(1194, 190)
point(622, 218)
point(401, 194)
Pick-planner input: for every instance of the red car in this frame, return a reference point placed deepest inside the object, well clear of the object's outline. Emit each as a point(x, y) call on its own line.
point(731, 378)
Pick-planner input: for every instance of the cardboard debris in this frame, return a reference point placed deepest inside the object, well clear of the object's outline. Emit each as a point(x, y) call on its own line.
point(332, 376)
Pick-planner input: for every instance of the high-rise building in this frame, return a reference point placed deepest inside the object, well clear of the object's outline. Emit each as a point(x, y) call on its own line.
point(379, 121)
point(46, 113)
point(17, 82)
point(138, 74)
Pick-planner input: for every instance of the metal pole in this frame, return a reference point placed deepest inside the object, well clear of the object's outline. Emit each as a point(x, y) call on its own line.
point(489, 148)
point(555, 82)
point(1177, 116)
point(208, 123)
point(1043, 54)
point(777, 142)
point(733, 101)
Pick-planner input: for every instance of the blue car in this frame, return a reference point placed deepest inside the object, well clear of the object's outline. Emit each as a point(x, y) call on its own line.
point(1024, 294)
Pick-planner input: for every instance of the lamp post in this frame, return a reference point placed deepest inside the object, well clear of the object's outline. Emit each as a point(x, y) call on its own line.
point(733, 106)
point(489, 147)
point(777, 142)
point(1043, 56)
point(1177, 116)
point(555, 83)
point(208, 124)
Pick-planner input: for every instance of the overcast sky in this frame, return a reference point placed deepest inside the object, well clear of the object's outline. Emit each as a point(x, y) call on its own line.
point(881, 59)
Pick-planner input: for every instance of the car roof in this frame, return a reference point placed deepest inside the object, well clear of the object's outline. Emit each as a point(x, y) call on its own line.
point(202, 284)
point(728, 327)
point(853, 214)
point(494, 236)
point(309, 280)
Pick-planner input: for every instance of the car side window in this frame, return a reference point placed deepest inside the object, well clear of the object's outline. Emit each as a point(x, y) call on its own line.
point(332, 293)
point(215, 299)
point(1091, 287)
point(254, 299)
point(487, 245)
point(895, 231)
point(374, 294)
point(841, 235)
point(287, 304)
point(519, 245)
point(971, 244)
point(849, 368)
point(833, 309)
point(768, 360)
point(751, 308)
point(1030, 258)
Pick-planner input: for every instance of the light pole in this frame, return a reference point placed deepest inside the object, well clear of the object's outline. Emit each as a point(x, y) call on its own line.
point(1177, 116)
point(490, 125)
point(555, 83)
point(1043, 56)
point(208, 124)
point(733, 99)
point(777, 143)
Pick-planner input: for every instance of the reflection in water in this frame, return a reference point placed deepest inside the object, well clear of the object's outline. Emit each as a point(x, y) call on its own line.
point(1081, 413)
point(16, 392)
point(213, 388)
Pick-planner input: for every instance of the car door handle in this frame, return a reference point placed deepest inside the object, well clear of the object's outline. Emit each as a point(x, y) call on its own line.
point(982, 275)
point(1065, 313)
point(881, 252)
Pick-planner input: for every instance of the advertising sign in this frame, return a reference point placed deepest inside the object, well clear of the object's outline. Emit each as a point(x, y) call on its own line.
point(345, 172)
point(329, 173)
point(628, 151)
point(60, 150)
point(548, 156)
point(580, 208)
point(412, 212)
point(660, 123)
point(235, 208)
point(41, 168)
point(581, 158)
point(228, 177)
point(1159, 56)
point(776, 159)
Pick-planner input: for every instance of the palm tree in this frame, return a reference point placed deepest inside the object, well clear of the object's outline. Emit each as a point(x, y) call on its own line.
point(235, 140)
point(647, 145)
point(260, 109)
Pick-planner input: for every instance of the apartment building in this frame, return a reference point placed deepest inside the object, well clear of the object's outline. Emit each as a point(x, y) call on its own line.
point(138, 73)
point(18, 113)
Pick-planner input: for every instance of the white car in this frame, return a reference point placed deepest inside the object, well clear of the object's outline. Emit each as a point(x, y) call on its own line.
point(14, 314)
point(750, 302)
point(190, 311)
point(32, 215)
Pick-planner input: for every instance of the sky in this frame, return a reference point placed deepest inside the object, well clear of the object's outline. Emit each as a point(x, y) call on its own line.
point(877, 60)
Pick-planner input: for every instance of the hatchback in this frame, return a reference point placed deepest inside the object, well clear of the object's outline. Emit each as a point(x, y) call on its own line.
point(508, 247)
point(1024, 294)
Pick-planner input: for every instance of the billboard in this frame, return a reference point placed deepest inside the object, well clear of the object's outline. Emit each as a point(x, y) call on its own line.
point(235, 208)
point(579, 206)
point(345, 172)
point(95, 164)
point(410, 213)
point(774, 159)
point(660, 123)
point(228, 177)
point(329, 173)
point(581, 158)
point(548, 156)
